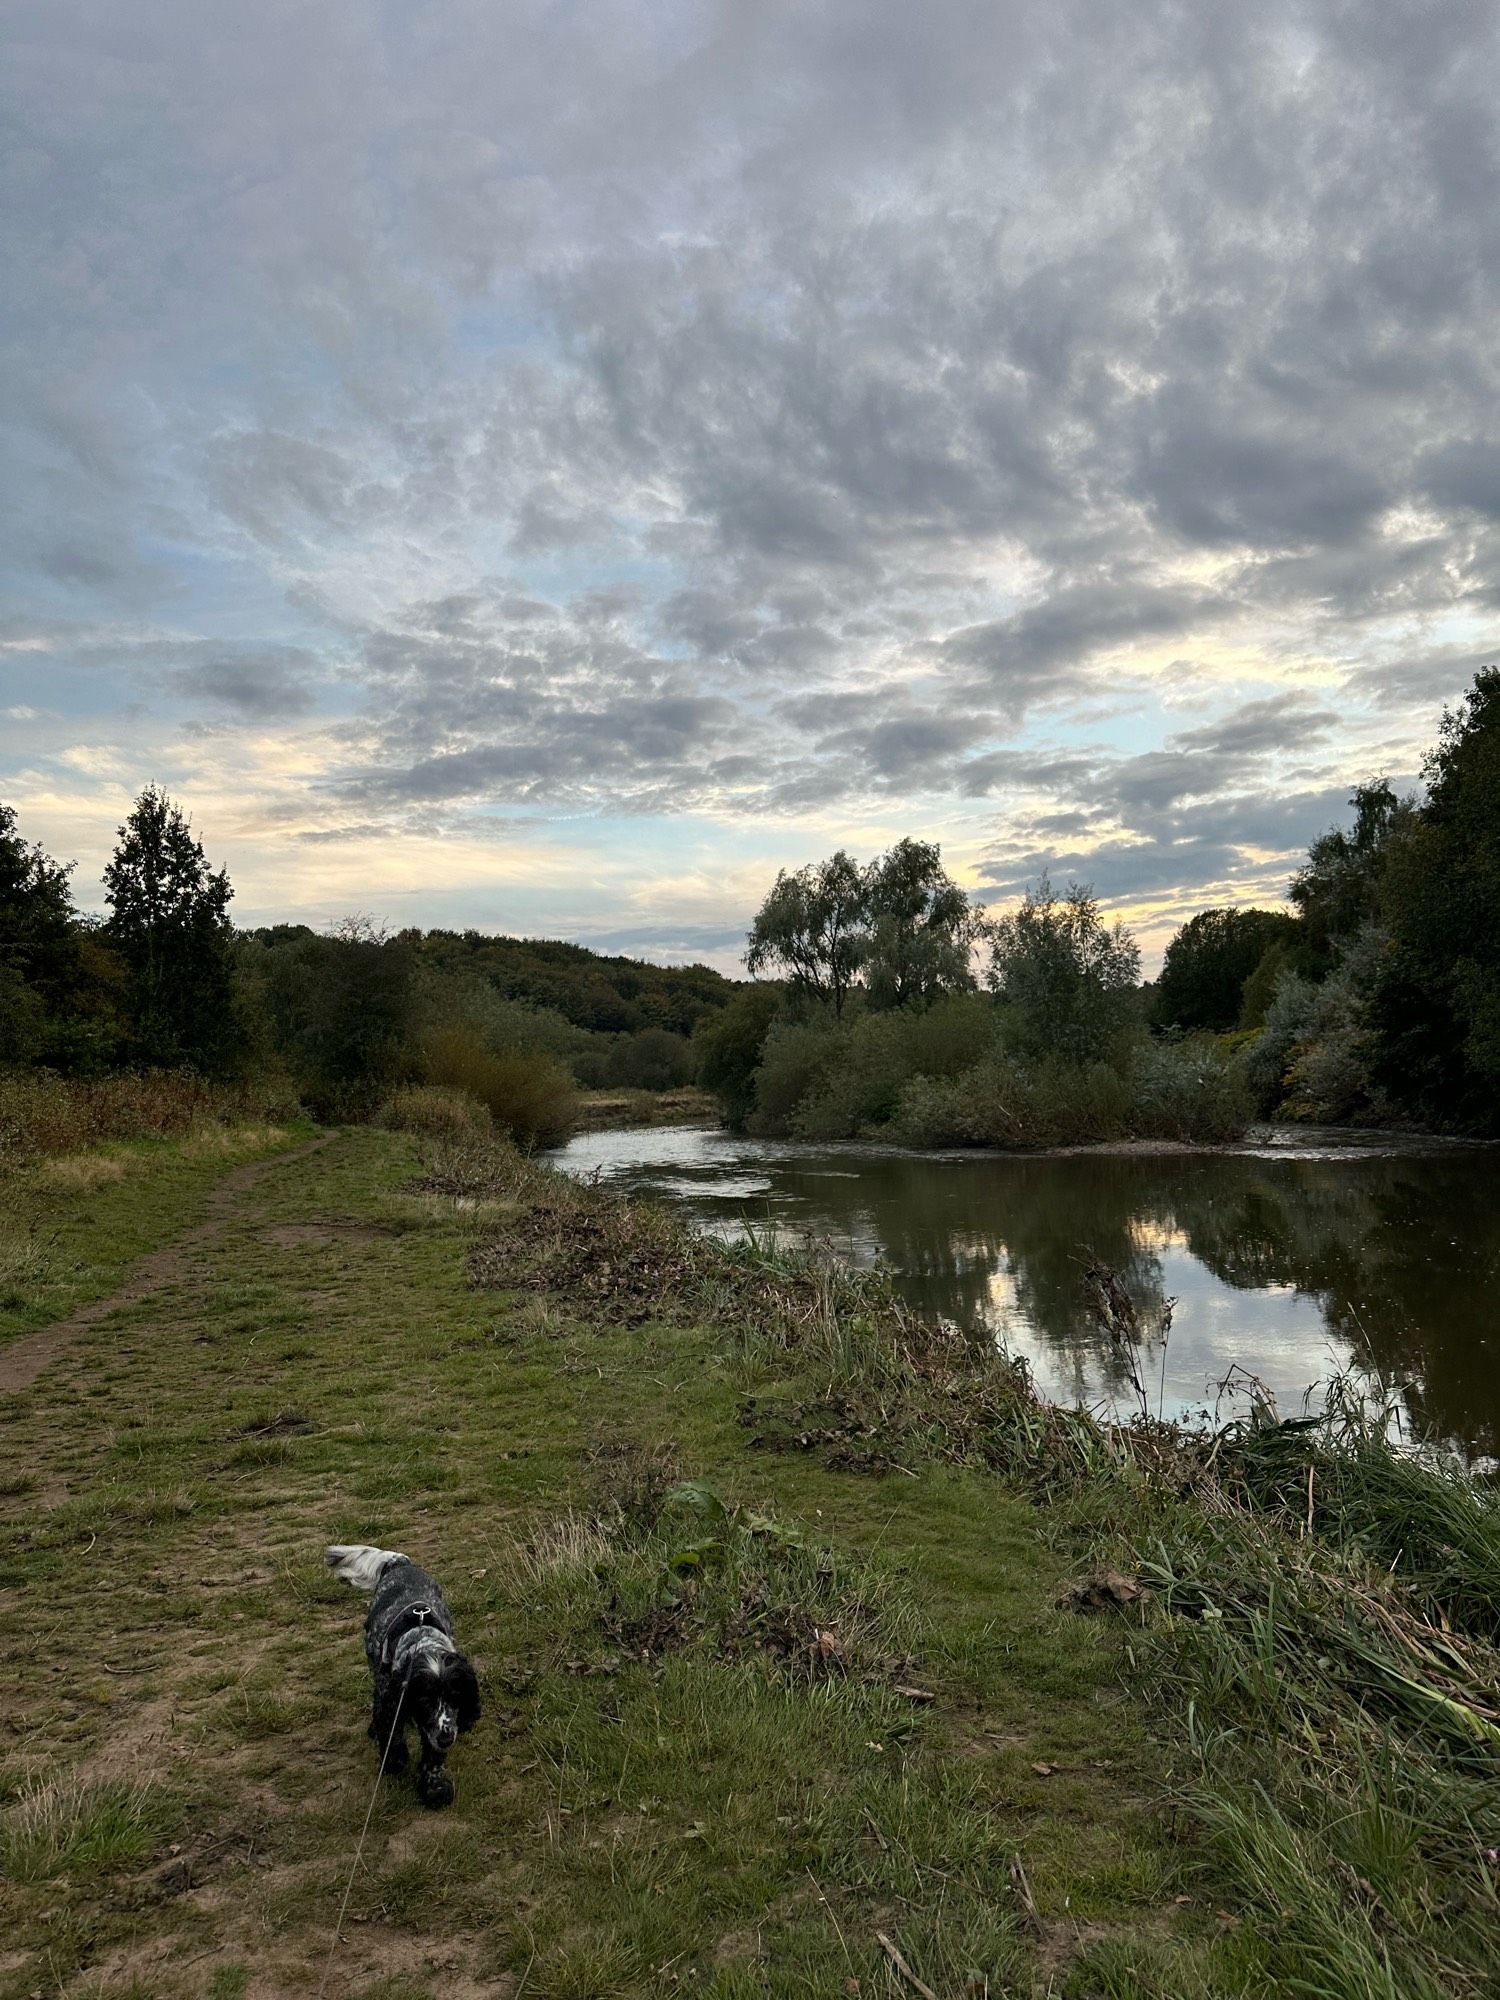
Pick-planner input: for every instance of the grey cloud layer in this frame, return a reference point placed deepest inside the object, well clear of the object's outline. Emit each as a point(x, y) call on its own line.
point(753, 409)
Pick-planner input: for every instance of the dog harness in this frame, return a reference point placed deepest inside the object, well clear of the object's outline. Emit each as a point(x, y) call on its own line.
point(416, 1631)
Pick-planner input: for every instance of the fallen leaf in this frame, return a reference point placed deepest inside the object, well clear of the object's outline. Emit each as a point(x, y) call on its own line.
point(1105, 1590)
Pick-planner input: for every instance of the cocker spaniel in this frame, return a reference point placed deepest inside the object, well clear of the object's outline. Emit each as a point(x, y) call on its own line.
point(421, 1678)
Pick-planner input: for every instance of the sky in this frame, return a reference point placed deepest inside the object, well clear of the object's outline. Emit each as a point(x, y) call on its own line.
point(547, 467)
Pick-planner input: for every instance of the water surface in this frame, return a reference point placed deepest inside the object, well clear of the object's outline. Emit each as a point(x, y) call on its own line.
point(1293, 1258)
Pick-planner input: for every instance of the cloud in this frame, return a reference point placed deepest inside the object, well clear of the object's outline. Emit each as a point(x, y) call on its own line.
point(1465, 474)
point(257, 684)
point(1048, 422)
point(1275, 722)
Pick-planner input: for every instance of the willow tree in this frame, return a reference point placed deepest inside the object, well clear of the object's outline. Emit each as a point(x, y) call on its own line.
point(921, 928)
point(1069, 981)
point(811, 930)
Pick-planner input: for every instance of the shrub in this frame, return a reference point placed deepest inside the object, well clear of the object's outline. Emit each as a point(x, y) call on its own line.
point(529, 1095)
point(1189, 1090)
point(1315, 1055)
point(951, 1036)
point(728, 1048)
point(1007, 1101)
point(1288, 1020)
point(796, 1057)
point(653, 1059)
point(859, 1087)
point(1185, 1091)
point(447, 999)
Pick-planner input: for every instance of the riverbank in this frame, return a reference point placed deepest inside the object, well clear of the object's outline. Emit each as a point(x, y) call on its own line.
point(624, 1110)
point(769, 1585)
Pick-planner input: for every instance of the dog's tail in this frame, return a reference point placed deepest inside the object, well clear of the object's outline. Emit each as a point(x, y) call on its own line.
point(358, 1565)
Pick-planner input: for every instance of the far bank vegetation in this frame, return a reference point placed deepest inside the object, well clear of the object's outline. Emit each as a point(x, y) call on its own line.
point(901, 1012)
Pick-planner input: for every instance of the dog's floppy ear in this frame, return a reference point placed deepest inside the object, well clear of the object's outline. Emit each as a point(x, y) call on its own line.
point(464, 1683)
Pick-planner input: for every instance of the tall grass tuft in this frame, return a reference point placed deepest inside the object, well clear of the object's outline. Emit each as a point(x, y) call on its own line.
point(68, 1822)
point(434, 1111)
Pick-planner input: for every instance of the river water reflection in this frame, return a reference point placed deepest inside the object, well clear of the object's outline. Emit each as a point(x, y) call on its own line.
point(1292, 1257)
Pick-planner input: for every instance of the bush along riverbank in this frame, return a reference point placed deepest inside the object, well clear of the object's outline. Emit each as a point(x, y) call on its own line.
point(1314, 1612)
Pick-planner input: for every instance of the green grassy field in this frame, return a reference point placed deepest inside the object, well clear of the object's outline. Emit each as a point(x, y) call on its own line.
point(757, 1722)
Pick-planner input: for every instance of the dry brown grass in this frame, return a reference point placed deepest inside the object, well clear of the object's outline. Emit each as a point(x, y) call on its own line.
point(43, 1116)
point(81, 1173)
point(434, 1111)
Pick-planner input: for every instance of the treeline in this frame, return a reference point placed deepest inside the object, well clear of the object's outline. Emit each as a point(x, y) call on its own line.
point(1377, 996)
point(346, 1019)
point(901, 1011)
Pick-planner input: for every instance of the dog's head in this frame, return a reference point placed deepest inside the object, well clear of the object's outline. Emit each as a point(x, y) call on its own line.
point(442, 1699)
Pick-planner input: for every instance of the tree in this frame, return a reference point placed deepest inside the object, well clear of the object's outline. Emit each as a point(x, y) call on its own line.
point(343, 1013)
point(728, 1047)
point(38, 925)
point(1208, 963)
point(1067, 979)
point(60, 986)
point(921, 928)
point(1276, 960)
point(1338, 888)
point(168, 921)
point(1438, 1004)
point(812, 927)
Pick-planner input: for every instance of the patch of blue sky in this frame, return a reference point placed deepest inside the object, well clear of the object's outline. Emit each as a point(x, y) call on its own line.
point(218, 593)
point(496, 329)
point(58, 686)
point(1128, 725)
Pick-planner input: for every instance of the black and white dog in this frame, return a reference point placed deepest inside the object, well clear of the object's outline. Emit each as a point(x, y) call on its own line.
point(421, 1678)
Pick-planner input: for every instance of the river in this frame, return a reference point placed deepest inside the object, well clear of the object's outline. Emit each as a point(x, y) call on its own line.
point(1295, 1256)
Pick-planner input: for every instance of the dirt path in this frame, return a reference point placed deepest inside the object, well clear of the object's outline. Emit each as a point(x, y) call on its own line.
point(23, 1360)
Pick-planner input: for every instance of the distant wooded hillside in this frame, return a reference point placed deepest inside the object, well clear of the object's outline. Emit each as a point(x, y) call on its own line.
point(611, 996)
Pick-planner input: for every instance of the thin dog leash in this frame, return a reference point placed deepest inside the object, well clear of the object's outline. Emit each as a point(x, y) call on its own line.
point(349, 1885)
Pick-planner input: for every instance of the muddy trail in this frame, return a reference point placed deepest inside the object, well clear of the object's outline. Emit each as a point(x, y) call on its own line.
point(25, 1359)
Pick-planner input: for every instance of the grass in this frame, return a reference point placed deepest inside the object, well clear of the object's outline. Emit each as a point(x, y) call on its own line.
point(765, 1582)
point(43, 1115)
point(67, 1824)
point(73, 1225)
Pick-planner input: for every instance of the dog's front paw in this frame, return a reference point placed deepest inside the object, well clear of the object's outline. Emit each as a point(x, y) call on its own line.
point(434, 1787)
point(396, 1759)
